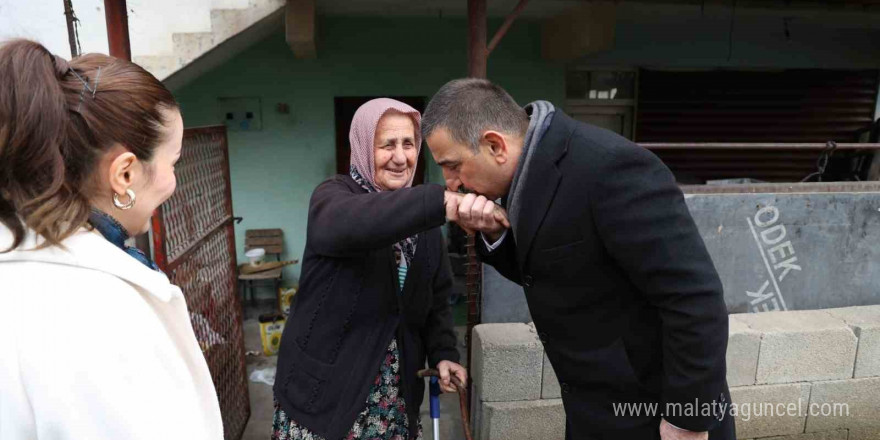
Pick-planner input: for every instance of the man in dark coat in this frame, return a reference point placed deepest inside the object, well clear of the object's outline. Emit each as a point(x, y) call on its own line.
point(624, 295)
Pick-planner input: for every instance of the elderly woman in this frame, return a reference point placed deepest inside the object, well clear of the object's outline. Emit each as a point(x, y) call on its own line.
point(373, 301)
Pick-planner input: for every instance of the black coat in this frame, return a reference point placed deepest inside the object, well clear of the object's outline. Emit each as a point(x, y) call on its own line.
point(348, 308)
point(624, 295)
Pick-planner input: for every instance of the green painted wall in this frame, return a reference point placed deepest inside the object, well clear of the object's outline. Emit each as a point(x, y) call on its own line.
point(275, 170)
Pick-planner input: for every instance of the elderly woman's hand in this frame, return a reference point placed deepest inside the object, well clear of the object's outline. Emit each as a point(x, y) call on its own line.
point(477, 213)
point(451, 200)
point(447, 368)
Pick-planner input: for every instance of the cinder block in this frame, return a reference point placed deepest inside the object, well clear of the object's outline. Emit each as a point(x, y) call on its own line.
point(840, 434)
point(528, 420)
point(508, 362)
point(550, 388)
point(743, 345)
point(864, 434)
point(865, 323)
point(853, 404)
point(476, 410)
point(802, 346)
point(757, 409)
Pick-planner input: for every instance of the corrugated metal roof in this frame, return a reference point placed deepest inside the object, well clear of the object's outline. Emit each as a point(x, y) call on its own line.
point(747, 115)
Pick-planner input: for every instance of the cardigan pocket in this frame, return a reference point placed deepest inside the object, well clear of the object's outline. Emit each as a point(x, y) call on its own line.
point(304, 382)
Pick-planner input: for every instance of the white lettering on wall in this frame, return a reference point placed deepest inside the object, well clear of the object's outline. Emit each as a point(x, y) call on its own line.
point(778, 256)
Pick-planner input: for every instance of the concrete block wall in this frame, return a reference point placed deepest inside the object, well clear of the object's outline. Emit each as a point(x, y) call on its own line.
point(513, 398)
point(802, 375)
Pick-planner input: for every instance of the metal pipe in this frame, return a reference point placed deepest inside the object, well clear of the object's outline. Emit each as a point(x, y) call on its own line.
point(754, 146)
point(790, 188)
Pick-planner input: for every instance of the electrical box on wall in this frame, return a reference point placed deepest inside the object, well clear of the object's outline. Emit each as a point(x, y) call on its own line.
point(241, 114)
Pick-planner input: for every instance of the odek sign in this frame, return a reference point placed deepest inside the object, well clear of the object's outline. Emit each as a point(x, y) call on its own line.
point(778, 256)
point(803, 247)
point(775, 246)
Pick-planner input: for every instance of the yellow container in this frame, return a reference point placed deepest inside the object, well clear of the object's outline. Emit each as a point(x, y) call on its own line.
point(285, 298)
point(271, 328)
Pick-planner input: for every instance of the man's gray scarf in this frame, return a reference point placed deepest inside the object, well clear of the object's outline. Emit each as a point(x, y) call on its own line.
point(540, 116)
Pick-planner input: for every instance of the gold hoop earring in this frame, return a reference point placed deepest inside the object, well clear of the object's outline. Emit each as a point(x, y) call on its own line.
point(123, 206)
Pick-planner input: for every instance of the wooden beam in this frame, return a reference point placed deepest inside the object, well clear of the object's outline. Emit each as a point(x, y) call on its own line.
point(508, 22)
point(585, 29)
point(299, 28)
point(477, 61)
point(477, 52)
point(116, 14)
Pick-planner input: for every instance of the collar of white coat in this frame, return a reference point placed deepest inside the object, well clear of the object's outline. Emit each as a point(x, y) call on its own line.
point(89, 250)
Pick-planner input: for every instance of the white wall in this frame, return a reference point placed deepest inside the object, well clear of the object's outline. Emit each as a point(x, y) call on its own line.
point(151, 22)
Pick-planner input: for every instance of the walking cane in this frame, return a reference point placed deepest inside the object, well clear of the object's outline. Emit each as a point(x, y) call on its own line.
point(435, 401)
point(435, 405)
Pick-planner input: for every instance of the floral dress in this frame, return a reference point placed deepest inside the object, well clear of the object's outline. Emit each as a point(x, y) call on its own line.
point(384, 417)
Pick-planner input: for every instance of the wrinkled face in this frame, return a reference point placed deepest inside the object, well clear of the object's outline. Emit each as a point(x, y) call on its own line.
point(395, 151)
point(160, 181)
point(465, 170)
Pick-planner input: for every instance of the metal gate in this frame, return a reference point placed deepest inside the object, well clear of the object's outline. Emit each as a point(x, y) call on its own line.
point(194, 243)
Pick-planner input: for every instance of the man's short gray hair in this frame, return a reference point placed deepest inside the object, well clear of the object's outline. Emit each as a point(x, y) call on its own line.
point(467, 107)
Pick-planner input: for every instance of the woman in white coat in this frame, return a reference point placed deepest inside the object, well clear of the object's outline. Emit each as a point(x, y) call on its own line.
point(95, 343)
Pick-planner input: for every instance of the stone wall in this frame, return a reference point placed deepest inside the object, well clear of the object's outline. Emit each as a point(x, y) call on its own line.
point(805, 375)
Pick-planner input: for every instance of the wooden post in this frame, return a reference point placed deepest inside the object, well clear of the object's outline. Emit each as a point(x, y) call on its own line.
point(116, 14)
point(508, 22)
point(477, 52)
point(477, 61)
point(299, 28)
point(586, 28)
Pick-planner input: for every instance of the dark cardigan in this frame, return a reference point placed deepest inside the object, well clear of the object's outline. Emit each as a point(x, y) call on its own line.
point(348, 308)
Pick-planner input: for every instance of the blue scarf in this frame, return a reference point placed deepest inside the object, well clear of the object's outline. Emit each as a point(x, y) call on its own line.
point(116, 234)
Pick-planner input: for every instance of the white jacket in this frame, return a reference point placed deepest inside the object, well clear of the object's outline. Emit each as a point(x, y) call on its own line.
point(95, 345)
